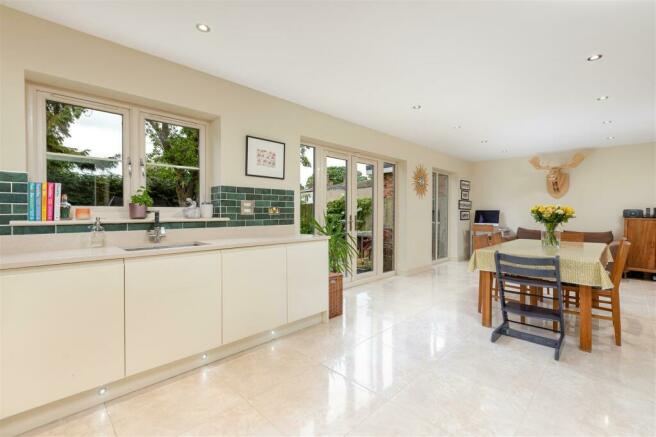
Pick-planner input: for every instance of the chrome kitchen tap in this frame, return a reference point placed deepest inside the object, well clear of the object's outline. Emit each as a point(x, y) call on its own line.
point(158, 232)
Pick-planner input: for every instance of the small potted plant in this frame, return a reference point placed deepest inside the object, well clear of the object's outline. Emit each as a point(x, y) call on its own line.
point(139, 204)
point(341, 250)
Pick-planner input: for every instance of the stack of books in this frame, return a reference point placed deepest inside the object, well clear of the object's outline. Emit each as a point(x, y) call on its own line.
point(44, 201)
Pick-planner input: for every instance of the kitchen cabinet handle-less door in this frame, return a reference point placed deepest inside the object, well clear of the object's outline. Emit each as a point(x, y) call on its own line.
point(254, 291)
point(307, 280)
point(62, 332)
point(172, 308)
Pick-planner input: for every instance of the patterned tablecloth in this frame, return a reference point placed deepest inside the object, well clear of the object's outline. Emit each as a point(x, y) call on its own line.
point(580, 263)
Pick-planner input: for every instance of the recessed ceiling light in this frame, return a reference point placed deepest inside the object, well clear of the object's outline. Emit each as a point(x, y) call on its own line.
point(610, 138)
point(602, 98)
point(203, 27)
point(595, 57)
point(607, 122)
point(483, 141)
point(416, 107)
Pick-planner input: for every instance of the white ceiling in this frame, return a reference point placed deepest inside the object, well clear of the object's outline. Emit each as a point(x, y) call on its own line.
point(512, 73)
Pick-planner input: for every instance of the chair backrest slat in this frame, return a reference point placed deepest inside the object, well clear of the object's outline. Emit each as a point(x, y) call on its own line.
point(480, 241)
point(573, 237)
point(526, 261)
point(620, 262)
point(496, 238)
point(530, 272)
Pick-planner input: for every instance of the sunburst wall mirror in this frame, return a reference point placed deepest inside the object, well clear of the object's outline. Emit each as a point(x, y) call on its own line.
point(420, 180)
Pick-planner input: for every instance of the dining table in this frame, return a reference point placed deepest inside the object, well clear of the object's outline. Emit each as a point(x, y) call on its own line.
point(583, 264)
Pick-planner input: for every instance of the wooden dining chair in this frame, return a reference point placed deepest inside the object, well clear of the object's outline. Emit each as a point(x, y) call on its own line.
point(607, 300)
point(496, 238)
point(480, 242)
point(572, 237)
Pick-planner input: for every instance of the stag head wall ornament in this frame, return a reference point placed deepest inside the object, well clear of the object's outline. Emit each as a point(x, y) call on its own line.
point(557, 179)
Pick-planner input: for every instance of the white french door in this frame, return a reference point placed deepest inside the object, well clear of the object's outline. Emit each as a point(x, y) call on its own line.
point(362, 218)
point(440, 216)
point(350, 190)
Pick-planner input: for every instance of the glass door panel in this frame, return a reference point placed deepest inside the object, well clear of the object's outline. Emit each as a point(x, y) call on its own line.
point(434, 217)
point(363, 214)
point(442, 216)
point(337, 192)
point(388, 216)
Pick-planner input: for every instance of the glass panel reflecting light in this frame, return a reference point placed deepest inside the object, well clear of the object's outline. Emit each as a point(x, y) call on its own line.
point(173, 163)
point(388, 216)
point(84, 153)
point(307, 188)
point(364, 217)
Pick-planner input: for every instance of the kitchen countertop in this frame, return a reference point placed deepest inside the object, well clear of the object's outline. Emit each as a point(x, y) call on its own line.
point(55, 257)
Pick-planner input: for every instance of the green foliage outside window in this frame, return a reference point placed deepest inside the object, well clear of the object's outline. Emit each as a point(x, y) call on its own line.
point(172, 145)
point(85, 181)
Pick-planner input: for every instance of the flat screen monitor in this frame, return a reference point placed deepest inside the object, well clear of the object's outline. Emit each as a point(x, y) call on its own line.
point(487, 216)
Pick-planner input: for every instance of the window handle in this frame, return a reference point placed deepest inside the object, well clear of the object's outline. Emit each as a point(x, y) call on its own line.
point(350, 223)
point(129, 166)
point(143, 167)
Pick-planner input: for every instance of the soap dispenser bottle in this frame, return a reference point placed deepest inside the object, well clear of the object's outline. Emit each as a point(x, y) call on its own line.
point(97, 234)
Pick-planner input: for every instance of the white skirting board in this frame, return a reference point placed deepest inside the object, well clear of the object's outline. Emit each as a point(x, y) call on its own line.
point(28, 420)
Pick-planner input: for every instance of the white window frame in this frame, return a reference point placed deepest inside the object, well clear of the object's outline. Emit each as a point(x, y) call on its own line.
point(133, 136)
point(178, 121)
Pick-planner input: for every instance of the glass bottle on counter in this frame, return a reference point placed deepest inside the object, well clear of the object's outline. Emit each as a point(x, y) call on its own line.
point(97, 234)
point(65, 209)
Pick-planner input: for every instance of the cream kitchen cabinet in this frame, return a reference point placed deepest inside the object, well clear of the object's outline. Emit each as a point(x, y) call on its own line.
point(307, 282)
point(172, 308)
point(254, 291)
point(62, 332)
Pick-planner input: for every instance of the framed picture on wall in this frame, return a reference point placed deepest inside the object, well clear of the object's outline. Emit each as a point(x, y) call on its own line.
point(464, 215)
point(265, 158)
point(464, 204)
point(465, 185)
point(464, 194)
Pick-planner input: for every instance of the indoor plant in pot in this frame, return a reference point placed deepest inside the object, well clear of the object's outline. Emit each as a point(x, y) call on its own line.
point(139, 204)
point(551, 216)
point(341, 250)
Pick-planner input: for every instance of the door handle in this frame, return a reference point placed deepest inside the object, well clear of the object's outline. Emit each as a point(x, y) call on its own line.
point(350, 225)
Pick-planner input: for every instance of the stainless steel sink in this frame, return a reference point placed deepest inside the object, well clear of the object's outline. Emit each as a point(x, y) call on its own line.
point(163, 246)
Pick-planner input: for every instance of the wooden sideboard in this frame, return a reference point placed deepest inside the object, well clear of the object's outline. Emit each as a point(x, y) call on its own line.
point(641, 232)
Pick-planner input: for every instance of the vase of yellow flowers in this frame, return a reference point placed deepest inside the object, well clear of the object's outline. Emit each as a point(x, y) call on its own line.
point(552, 216)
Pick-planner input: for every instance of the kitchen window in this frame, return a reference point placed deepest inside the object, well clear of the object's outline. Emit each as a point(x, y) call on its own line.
point(102, 151)
point(172, 161)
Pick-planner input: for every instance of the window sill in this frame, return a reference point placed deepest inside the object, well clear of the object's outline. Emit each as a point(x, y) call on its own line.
point(115, 220)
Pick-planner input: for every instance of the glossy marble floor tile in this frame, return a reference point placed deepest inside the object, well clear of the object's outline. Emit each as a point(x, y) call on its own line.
point(408, 357)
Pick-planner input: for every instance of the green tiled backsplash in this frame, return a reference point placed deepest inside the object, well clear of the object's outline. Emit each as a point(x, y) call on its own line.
point(111, 227)
point(227, 203)
point(13, 199)
point(225, 198)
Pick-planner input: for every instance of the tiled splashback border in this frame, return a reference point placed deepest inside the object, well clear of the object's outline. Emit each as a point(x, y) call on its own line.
point(13, 199)
point(227, 203)
point(225, 198)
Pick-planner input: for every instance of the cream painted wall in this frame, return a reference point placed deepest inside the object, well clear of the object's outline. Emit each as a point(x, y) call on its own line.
point(608, 181)
point(34, 49)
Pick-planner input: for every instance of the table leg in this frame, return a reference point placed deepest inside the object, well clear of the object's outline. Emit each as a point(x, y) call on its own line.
point(535, 293)
point(522, 300)
point(585, 296)
point(486, 287)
